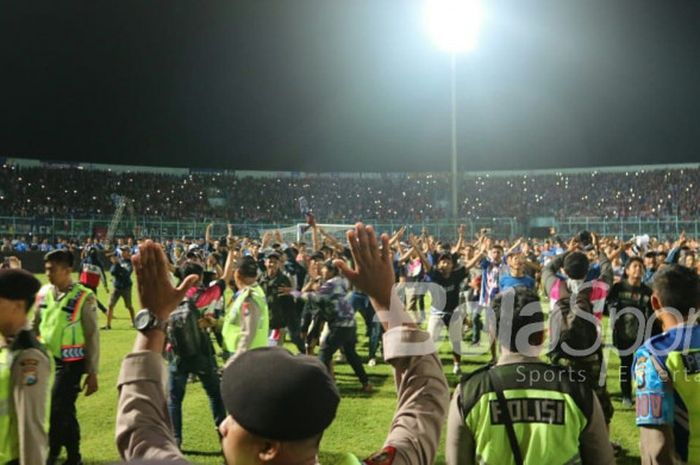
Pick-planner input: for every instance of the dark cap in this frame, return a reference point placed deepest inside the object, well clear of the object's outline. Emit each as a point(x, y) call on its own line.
point(444, 256)
point(298, 403)
point(318, 256)
point(247, 266)
point(273, 254)
point(18, 285)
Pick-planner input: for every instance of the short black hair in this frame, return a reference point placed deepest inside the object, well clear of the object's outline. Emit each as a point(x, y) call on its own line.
point(632, 260)
point(677, 287)
point(61, 257)
point(247, 267)
point(517, 298)
point(19, 285)
point(330, 266)
point(650, 254)
point(191, 268)
point(576, 265)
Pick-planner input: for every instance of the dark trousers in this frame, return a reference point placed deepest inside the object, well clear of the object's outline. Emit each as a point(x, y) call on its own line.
point(294, 329)
point(64, 430)
point(345, 338)
point(626, 375)
point(477, 323)
point(177, 383)
point(361, 303)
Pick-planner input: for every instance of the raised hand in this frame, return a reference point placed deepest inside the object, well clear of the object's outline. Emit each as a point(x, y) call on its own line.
point(373, 271)
point(156, 291)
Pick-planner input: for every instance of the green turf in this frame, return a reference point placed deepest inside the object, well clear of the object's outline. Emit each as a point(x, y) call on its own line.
point(360, 427)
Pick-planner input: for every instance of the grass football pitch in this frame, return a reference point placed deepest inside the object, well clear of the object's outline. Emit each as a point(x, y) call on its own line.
point(360, 426)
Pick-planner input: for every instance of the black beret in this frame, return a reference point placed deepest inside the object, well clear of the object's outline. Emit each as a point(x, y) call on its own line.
point(276, 395)
point(18, 285)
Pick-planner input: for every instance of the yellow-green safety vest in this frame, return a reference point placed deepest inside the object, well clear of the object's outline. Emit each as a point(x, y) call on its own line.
point(232, 326)
point(9, 445)
point(552, 409)
point(61, 328)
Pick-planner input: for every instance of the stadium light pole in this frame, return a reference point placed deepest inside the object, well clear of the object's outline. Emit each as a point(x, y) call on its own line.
point(453, 25)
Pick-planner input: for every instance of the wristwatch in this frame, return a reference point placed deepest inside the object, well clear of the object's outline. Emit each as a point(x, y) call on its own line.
point(145, 320)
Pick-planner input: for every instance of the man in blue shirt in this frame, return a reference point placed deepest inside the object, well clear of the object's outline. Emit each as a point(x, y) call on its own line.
point(515, 276)
point(667, 372)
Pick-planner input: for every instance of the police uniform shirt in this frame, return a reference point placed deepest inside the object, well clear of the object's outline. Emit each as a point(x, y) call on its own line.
point(461, 444)
point(143, 425)
point(30, 386)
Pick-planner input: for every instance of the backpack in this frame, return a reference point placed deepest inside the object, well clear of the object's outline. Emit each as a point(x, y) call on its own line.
point(90, 275)
point(187, 339)
point(578, 332)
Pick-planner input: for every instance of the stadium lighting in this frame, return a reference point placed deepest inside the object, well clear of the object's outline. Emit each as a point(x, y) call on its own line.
point(453, 25)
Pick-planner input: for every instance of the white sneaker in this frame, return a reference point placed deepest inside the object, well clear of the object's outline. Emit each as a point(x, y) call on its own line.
point(456, 369)
point(627, 402)
point(372, 362)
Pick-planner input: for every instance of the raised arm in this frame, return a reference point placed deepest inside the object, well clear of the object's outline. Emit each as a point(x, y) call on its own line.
point(207, 233)
point(143, 425)
point(423, 395)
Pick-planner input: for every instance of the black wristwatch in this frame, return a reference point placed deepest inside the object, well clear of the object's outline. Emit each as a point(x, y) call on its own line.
point(145, 320)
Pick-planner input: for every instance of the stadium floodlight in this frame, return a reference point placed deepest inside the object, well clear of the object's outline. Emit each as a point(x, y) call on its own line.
point(453, 25)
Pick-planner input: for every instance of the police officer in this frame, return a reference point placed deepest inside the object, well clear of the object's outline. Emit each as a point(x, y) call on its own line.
point(25, 374)
point(667, 372)
point(67, 324)
point(282, 421)
point(521, 410)
point(246, 324)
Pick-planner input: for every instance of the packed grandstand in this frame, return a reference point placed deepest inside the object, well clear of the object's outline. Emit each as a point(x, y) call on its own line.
point(75, 191)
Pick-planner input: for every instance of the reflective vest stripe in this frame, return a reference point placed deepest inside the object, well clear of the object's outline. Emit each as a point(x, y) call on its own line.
point(78, 306)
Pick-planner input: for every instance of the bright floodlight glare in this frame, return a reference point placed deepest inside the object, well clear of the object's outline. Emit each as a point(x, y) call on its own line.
point(454, 24)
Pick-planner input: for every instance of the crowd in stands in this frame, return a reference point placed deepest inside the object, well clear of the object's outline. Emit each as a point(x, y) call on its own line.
point(80, 193)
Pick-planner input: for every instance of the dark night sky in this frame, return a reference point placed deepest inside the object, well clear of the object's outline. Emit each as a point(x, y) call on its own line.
point(347, 85)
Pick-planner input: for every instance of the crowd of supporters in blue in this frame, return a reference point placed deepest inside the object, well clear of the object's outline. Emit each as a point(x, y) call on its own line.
point(83, 193)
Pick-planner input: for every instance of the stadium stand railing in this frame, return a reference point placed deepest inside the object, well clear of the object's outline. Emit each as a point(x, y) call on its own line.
point(52, 227)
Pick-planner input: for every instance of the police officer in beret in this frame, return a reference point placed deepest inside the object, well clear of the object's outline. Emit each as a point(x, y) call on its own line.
point(25, 374)
point(281, 420)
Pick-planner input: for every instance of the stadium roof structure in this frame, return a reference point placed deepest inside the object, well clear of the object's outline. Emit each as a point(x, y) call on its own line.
point(28, 163)
point(313, 85)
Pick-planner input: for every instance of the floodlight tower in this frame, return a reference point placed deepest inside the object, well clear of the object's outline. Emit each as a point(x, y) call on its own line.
point(454, 26)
